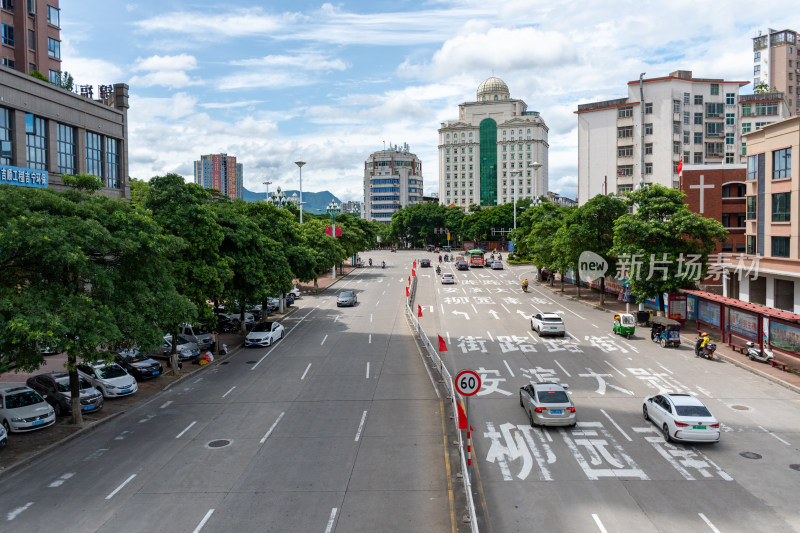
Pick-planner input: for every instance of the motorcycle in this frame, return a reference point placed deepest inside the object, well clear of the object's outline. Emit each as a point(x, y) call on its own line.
point(383, 264)
point(370, 262)
point(706, 351)
point(524, 287)
point(756, 354)
point(438, 269)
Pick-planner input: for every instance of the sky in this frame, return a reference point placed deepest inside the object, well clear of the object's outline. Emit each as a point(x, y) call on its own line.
point(329, 83)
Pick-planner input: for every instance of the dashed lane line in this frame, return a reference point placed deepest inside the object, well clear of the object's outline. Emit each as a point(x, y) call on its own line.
point(203, 521)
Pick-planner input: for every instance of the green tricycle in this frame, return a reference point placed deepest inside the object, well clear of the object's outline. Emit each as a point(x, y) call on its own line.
point(624, 324)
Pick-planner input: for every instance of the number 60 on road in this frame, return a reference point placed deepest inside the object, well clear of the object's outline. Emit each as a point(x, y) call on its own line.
point(468, 382)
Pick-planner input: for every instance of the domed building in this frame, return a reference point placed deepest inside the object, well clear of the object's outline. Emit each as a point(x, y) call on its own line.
point(495, 147)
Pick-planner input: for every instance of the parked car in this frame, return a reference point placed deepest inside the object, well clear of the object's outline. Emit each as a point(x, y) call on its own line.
point(461, 264)
point(681, 417)
point(23, 409)
point(295, 292)
point(548, 324)
point(186, 349)
point(547, 404)
point(264, 334)
point(448, 278)
point(424, 263)
point(138, 365)
point(54, 388)
point(3, 437)
point(497, 265)
point(109, 378)
point(348, 298)
point(197, 334)
point(49, 350)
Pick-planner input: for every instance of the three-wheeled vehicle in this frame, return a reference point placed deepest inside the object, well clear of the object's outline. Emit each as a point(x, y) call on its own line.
point(624, 324)
point(665, 331)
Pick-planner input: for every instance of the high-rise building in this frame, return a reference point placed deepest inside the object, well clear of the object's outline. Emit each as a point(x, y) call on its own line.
point(392, 180)
point(758, 110)
point(776, 63)
point(496, 147)
point(31, 36)
point(220, 172)
point(623, 144)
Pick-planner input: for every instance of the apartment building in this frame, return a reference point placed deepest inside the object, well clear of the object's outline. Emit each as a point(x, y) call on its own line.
point(758, 110)
point(220, 172)
point(640, 139)
point(776, 63)
point(392, 180)
point(495, 150)
point(30, 32)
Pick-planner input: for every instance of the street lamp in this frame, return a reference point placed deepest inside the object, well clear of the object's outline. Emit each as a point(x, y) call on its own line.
point(333, 210)
point(518, 173)
point(267, 183)
point(300, 164)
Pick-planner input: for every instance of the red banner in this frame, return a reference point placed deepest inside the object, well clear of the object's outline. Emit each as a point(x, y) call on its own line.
point(419, 311)
point(442, 344)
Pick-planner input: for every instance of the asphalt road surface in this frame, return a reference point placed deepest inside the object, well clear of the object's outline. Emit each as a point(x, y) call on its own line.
point(613, 471)
point(337, 427)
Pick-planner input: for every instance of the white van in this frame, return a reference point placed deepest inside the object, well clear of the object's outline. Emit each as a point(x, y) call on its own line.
point(196, 334)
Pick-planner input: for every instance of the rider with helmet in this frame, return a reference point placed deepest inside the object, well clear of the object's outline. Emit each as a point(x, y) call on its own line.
point(525, 285)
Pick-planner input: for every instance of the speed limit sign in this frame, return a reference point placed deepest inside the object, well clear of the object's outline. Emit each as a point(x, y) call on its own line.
point(468, 382)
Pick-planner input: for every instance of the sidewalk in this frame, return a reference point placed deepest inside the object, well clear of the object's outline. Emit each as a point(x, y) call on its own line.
point(590, 297)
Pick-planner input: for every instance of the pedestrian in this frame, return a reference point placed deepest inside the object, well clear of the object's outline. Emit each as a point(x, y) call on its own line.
point(213, 339)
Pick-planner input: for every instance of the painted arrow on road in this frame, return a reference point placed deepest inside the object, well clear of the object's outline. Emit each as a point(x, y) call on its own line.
point(523, 313)
point(461, 313)
point(494, 313)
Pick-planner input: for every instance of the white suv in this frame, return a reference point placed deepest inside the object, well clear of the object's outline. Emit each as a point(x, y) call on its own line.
point(548, 324)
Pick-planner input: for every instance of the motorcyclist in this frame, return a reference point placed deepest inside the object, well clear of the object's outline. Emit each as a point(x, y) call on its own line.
point(701, 342)
point(525, 285)
point(446, 259)
point(440, 258)
point(370, 261)
point(499, 257)
point(383, 264)
point(438, 269)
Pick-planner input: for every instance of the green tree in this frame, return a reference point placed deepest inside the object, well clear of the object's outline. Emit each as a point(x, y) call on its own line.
point(662, 228)
point(326, 250)
point(139, 192)
point(545, 218)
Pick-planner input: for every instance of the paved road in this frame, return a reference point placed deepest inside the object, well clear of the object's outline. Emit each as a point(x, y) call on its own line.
point(336, 428)
point(613, 472)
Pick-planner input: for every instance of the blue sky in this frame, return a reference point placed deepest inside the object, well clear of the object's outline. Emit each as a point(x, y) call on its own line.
point(273, 83)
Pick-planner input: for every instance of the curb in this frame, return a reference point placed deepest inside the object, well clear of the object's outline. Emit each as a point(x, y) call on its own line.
point(774, 379)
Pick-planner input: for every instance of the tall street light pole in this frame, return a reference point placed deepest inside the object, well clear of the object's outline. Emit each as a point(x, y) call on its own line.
point(267, 183)
point(333, 210)
point(300, 164)
point(518, 173)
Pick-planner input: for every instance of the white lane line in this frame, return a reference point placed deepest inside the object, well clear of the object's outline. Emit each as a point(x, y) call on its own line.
point(615, 368)
point(179, 435)
point(331, 520)
point(473, 307)
point(665, 368)
point(536, 308)
point(545, 434)
point(506, 308)
point(287, 334)
point(442, 306)
point(370, 318)
point(599, 523)
point(384, 292)
point(370, 338)
point(562, 368)
point(573, 312)
point(573, 336)
point(113, 492)
point(272, 427)
point(323, 340)
point(532, 337)
point(774, 435)
point(361, 426)
point(595, 325)
point(377, 303)
point(629, 345)
point(367, 369)
point(448, 337)
point(16, 512)
point(165, 405)
point(204, 520)
point(60, 481)
point(306, 372)
point(229, 391)
point(701, 389)
point(490, 336)
point(509, 368)
point(708, 523)
point(616, 425)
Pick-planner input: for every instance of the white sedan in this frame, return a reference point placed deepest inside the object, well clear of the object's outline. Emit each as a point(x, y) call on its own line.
point(109, 378)
point(448, 279)
point(264, 334)
point(681, 417)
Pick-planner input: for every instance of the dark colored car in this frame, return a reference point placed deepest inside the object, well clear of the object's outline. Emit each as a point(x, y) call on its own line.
point(424, 262)
point(54, 388)
point(462, 265)
point(138, 365)
point(346, 298)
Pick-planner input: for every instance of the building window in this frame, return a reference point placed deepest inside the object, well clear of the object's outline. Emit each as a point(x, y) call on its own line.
point(698, 99)
point(714, 129)
point(729, 138)
point(65, 148)
point(53, 48)
point(781, 209)
point(686, 117)
point(648, 168)
point(676, 147)
point(752, 203)
point(746, 127)
point(730, 98)
point(8, 34)
point(752, 167)
point(36, 141)
point(715, 89)
point(729, 158)
point(31, 7)
point(746, 112)
point(686, 137)
point(698, 118)
point(648, 108)
point(782, 163)
point(715, 149)
point(714, 110)
point(698, 158)
point(625, 112)
point(686, 97)
point(698, 137)
point(5, 137)
point(6, 62)
point(676, 106)
point(31, 40)
point(766, 108)
point(625, 151)
point(94, 154)
point(648, 148)
point(112, 163)
point(756, 70)
point(780, 246)
point(625, 131)
point(625, 170)
point(730, 119)
point(648, 128)
point(751, 245)
point(55, 77)
point(54, 16)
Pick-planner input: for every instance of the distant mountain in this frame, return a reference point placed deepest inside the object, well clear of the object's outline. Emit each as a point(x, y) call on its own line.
point(315, 202)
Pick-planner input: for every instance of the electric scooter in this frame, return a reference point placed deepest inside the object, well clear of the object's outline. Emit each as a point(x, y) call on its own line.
point(756, 354)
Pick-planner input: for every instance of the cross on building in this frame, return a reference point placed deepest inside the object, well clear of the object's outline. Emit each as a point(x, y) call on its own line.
point(703, 185)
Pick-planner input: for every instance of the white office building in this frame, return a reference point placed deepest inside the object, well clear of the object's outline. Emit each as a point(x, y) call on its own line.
point(495, 148)
point(392, 180)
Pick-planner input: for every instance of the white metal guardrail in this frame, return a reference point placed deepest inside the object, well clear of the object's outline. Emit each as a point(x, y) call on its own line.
point(433, 353)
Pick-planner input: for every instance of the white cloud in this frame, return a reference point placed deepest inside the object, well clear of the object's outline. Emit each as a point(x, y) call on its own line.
point(166, 63)
point(165, 71)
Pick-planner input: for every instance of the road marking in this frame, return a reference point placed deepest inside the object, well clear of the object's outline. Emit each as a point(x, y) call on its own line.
point(16, 512)
point(165, 405)
point(268, 433)
point(708, 523)
point(774, 435)
point(546, 435)
point(95, 454)
point(461, 313)
point(122, 435)
point(60, 481)
point(179, 435)
point(287, 334)
point(509, 368)
point(204, 520)
point(562, 368)
point(574, 313)
point(123, 484)
point(506, 308)
point(377, 303)
point(616, 425)
point(384, 292)
point(323, 340)
point(367, 369)
point(229, 391)
point(370, 318)
point(532, 337)
point(361, 426)
point(615, 368)
point(474, 308)
point(489, 333)
point(494, 314)
point(573, 336)
point(595, 325)
point(536, 308)
point(599, 523)
point(331, 520)
point(306, 372)
point(629, 345)
point(442, 306)
point(668, 370)
point(448, 337)
point(701, 389)
point(370, 338)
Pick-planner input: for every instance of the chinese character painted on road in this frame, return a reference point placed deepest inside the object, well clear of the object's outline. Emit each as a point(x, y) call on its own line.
point(604, 343)
point(541, 374)
point(482, 300)
point(519, 442)
point(562, 345)
point(491, 384)
point(512, 301)
point(683, 459)
point(456, 299)
point(598, 453)
point(658, 381)
point(601, 382)
point(515, 343)
point(472, 344)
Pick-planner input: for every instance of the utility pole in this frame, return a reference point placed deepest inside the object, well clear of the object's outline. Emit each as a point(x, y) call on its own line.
point(641, 129)
point(267, 183)
point(300, 164)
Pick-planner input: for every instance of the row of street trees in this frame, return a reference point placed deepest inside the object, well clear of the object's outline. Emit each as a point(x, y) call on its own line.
point(80, 270)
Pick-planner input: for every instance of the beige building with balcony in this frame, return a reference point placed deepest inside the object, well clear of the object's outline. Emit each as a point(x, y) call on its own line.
point(776, 62)
point(392, 180)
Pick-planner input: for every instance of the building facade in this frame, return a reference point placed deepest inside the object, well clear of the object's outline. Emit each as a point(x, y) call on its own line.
point(352, 207)
point(496, 149)
point(758, 110)
point(563, 201)
point(392, 180)
point(640, 139)
point(46, 131)
point(775, 63)
point(220, 172)
point(31, 36)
